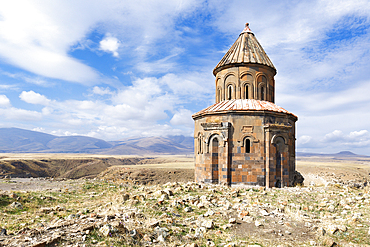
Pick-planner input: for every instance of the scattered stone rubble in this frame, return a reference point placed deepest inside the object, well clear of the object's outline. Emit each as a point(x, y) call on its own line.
point(192, 214)
point(352, 180)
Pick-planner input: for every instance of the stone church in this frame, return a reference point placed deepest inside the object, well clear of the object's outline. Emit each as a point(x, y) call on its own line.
point(245, 138)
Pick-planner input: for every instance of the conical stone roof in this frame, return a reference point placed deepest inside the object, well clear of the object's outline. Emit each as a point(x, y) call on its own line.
point(245, 50)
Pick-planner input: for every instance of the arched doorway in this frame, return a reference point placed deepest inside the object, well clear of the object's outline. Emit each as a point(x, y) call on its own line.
point(214, 151)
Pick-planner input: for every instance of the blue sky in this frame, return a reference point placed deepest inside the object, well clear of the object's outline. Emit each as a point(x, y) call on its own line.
point(117, 69)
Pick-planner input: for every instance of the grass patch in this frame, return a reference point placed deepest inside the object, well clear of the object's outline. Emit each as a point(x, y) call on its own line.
point(4, 201)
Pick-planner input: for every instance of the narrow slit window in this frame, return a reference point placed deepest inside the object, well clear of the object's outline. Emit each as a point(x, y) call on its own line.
point(200, 144)
point(262, 93)
point(246, 91)
point(247, 146)
point(229, 92)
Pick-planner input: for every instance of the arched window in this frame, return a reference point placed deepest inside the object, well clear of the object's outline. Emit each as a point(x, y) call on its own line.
point(219, 95)
point(246, 91)
point(247, 145)
point(262, 86)
point(230, 82)
point(229, 92)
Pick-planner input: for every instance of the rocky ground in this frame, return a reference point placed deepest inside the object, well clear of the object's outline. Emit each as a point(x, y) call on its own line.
point(147, 176)
point(123, 207)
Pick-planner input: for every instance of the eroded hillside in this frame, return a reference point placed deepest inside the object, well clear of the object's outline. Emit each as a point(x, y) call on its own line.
point(64, 168)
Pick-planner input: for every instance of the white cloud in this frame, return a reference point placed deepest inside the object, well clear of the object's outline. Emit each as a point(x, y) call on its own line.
point(86, 105)
point(63, 133)
point(183, 117)
point(162, 65)
point(4, 101)
point(158, 66)
point(192, 85)
point(334, 136)
point(47, 111)
point(37, 36)
point(108, 132)
point(353, 139)
point(48, 63)
point(131, 111)
point(302, 21)
point(34, 98)
point(39, 129)
point(110, 44)
point(17, 114)
point(34, 80)
point(101, 91)
point(303, 140)
point(139, 93)
point(145, 22)
point(5, 87)
point(34, 37)
point(301, 43)
point(358, 134)
point(320, 80)
point(335, 141)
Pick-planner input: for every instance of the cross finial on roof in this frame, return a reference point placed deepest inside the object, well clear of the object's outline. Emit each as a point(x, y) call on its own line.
point(247, 29)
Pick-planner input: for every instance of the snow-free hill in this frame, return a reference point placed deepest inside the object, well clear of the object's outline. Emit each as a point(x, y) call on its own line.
point(340, 155)
point(14, 140)
point(153, 145)
point(27, 141)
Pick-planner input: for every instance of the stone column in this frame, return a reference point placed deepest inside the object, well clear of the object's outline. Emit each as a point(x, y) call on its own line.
point(282, 164)
point(267, 161)
point(223, 164)
point(287, 166)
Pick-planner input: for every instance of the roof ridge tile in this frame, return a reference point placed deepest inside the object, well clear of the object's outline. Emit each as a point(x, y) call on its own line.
point(242, 105)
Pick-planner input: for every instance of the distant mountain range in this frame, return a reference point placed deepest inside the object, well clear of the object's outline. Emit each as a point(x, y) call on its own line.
point(342, 154)
point(15, 140)
point(26, 141)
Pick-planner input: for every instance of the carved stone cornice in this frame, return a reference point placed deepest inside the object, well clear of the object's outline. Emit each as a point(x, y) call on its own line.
point(216, 126)
point(275, 126)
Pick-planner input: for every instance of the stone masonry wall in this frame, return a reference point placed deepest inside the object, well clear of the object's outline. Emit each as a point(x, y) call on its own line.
point(235, 166)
